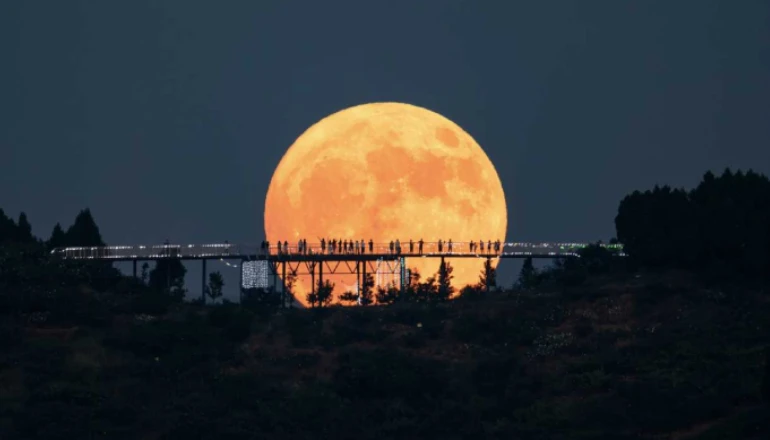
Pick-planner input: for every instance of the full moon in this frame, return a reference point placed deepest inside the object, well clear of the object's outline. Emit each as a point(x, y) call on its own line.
point(386, 171)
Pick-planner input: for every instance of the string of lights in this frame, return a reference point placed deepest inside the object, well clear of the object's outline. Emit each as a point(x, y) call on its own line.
point(409, 248)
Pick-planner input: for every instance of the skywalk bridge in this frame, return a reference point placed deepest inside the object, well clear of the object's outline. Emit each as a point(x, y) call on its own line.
point(314, 251)
point(315, 259)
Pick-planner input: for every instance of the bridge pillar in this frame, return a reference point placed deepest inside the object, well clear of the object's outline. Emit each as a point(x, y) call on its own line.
point(203, 280)
point(134, 263)
point(284, 294)
point(486, 274)
point(358, 278)
point(363, 282)
point(312, 278)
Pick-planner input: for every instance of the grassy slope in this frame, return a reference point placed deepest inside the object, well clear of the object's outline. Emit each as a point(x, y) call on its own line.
point(616, 358)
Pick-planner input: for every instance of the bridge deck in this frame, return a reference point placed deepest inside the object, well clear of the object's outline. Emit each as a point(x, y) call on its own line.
point(315, 252)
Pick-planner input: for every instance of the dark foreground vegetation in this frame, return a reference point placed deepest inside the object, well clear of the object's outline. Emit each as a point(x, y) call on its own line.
point(591, 348)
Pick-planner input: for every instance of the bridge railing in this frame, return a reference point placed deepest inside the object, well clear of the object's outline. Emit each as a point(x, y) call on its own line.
point(227, 250)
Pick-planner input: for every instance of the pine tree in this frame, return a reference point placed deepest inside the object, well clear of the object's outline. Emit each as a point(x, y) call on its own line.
point(445, 288)
point(58, 238)
point(145, 273)
point(84, 231)
point(168, 275)
point(24, 230)
point(7, 228)
point(528, 274)
point(323, 295)
point(488, 275)
point(215, 286)
point(367, 291)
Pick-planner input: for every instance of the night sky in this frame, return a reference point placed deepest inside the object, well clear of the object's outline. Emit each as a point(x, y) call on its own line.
point(167, 118)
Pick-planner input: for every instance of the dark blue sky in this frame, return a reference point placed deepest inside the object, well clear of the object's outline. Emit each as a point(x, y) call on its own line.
point(166, 118)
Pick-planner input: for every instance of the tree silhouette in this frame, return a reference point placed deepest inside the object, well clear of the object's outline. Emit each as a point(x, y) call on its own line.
point(15, 233)
point(656, 227)
point(215, 286)
point(488, 275)
point(528, 275)
point(58, 238)
point(445, 288)
point(145, 272)
point(289, 283)
point(323, 294)
point(412, 286)
point(388, 294)
point(427, 290)
point(84, 231)
point(168, 275)
point(348, 297)
point(24, 230)
point(7, 227)
point(367, 290)
point(595, 258)
point(720, 227)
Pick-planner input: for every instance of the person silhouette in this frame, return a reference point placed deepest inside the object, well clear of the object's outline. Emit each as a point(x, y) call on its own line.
point(391, 246)
point(371, 246)
point(449, 245)
point(411, 246)
point(419, 246)
point(440, 246)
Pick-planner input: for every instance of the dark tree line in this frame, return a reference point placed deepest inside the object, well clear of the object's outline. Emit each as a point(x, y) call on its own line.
point(21, 247)
point(722, 226)
point(12, 232)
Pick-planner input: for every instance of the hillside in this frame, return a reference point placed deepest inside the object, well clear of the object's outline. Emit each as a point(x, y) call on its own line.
point(656, 355)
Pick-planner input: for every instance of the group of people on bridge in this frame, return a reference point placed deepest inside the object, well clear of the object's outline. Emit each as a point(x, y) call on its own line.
point(360, 247)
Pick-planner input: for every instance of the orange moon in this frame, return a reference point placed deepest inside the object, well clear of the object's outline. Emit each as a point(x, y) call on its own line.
point(386, 171)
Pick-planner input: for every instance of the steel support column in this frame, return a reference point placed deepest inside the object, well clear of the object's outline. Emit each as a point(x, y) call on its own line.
point(363, 281)
point(134, 264)
point(486, 273)
point(312, 279)
point(284, 294)
point(203, 280)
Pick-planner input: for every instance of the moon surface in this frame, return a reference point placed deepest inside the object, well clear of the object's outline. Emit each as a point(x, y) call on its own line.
point(386, 171)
